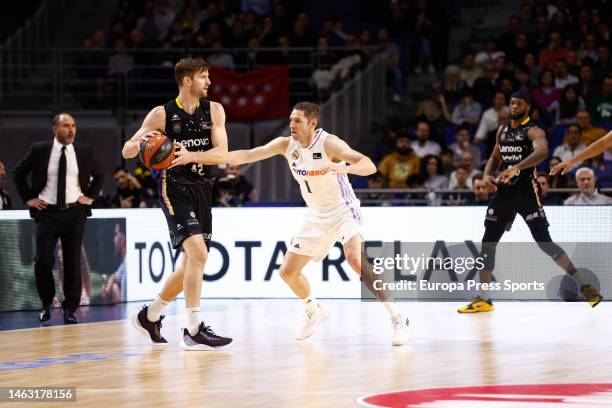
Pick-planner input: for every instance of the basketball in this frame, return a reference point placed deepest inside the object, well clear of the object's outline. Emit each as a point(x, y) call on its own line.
point(157, 152)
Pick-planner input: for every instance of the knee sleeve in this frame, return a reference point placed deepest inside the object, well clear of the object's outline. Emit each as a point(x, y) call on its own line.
point(492, 235)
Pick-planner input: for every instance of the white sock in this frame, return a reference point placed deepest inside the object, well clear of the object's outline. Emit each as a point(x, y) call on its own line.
point(311, 304)
point(193, 319)
point(392, 310)
point(155, 309)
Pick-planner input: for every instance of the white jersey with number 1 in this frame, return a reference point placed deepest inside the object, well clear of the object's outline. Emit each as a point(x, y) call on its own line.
point(335, 210)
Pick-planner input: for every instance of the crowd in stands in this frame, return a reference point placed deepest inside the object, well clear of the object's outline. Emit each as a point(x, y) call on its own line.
point(402, 32)
point(560, 54)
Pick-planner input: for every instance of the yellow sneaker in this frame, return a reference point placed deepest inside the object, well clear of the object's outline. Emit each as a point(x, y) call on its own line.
point(591, 295)
point(476, 306)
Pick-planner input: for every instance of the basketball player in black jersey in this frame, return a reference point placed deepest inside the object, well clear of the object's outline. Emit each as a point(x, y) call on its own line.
point(521, 146)
point(197, 127)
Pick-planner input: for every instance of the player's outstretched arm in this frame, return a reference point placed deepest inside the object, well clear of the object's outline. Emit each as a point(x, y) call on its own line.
point(272, 148)
point(338, 150)
point(155, 121)
point(594, 149)
point(218, 134)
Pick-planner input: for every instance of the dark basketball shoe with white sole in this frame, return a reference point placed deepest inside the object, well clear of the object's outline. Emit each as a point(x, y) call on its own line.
point(204, 339)
point(150, 330)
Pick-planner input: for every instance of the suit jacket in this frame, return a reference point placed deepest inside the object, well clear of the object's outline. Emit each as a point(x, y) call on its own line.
point(6, 200)
point(37, 161)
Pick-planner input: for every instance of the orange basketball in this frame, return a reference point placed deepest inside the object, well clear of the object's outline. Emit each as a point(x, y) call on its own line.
point(157, 152)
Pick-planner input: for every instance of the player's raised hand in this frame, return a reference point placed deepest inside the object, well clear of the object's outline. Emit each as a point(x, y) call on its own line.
point(507, 175)
point(562, 167)
point(182, 156)
point(335, 168)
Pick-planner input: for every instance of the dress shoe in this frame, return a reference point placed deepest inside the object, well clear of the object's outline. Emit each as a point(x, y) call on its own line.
point(69, 317)
point(45, 314)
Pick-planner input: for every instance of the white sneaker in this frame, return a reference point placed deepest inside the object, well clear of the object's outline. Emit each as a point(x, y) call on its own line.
point(312, 321)
point(401, 331)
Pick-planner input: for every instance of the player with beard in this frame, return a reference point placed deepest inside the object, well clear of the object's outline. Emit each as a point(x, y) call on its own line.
point(520, 147)
point(320, 162)
point(197, 127)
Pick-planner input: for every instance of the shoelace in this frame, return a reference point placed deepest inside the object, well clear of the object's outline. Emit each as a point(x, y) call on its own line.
point(158, 325)
point(207, 329)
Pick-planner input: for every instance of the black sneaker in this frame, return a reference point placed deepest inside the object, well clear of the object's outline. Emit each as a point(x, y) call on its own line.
point(205, 339)
point(150, 330)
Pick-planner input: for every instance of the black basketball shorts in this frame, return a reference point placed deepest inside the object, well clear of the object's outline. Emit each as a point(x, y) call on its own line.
point(522, 198)
point(187, 208)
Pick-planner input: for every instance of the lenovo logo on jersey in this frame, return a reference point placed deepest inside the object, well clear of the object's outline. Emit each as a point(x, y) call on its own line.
point(195, 142)
point(511, 149)
point(309, 173)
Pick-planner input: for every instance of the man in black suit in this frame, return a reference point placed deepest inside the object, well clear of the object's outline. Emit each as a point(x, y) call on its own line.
point(5, 199)
point(65, 177)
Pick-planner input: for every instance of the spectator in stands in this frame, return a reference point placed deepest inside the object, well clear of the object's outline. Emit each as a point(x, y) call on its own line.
point(240, 189)
point(588, 49)
point(539, 37)
point(506, 39)
point(462, 144)
point(481, 195)
point(555, 51)
point(520, 48)
point(147, 25)
point(5, 199)
point(601, 105)
point(121, 62)
point(221, 193)
point(603, 66)
point(562, 75)
point(602, 169)
point(587, 86)
point(422, 146)
point(490, 117)
point(220, 58)
point(399, 165)
point(489, 53)
point(486, 86)
point(558, 180)
point(147, 179)
point(567, 106)
point(375, 181)
point(467, 163)
point(544, 95)
point(431, 173)
point(523, 79)
point(468, 110)
point(527, 21)
point(534, 70)
point(585, 179)
point(572, 145)
point(461, 179)
point(424, 32)
point(469, 71)
point(431, 108)
point(128, 194)
point(446, 157)
point(163, 17)
point(547, 197)
point(390, 52)
point(453, 85)
point(589, 132)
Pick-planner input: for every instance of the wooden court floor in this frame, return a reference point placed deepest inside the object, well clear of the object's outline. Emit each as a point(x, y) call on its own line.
point(350, 356)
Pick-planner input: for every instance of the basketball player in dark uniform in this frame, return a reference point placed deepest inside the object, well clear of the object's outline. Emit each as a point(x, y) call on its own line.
point(520, 147)
point(197, 127)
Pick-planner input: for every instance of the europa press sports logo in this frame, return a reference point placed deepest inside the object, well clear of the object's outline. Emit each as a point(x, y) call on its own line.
point(531, 395)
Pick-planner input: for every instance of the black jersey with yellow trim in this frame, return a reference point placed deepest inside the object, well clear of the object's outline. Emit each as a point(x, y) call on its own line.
point(193, 131)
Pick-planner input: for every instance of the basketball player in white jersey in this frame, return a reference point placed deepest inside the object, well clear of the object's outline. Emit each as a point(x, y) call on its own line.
point(317, 161)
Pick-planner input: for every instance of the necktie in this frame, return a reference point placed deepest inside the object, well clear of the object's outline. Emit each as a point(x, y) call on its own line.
point(61, 179)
